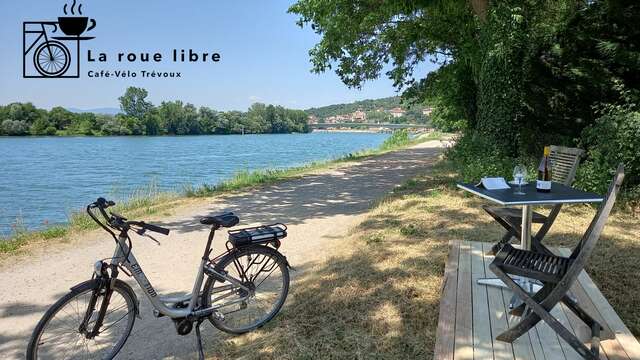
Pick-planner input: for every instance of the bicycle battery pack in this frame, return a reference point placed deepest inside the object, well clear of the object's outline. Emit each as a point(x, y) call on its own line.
point(262, 234)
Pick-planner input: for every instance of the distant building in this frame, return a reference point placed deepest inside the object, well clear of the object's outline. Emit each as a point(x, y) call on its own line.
point(397, 112)
point(343, 118)
point(427, 111)
point(359, 116)
point(331, 120)
point(312, 119)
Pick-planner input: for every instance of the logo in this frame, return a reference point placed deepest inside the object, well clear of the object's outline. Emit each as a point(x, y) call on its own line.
point(51, 49)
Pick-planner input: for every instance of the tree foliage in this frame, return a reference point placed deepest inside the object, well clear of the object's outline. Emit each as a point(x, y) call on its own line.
point(133, 102)
point(140, 117)
point(514, 75)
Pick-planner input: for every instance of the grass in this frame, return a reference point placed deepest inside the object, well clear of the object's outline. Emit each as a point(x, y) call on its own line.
point(150, 200)
point(144, 201)
point(378, 294)
point(245, 179)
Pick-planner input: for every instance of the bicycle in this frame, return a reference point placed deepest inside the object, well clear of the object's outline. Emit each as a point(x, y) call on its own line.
point(245, 287)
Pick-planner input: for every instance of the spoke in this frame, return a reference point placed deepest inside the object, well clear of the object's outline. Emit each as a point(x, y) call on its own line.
point(113, 323)
point(265, 278)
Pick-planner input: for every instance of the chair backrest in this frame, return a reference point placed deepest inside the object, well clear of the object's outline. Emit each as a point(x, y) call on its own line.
point(588, 242)
point(565, 163)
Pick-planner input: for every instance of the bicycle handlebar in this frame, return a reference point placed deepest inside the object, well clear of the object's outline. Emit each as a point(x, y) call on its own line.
point(118, 222)
point(150, 227)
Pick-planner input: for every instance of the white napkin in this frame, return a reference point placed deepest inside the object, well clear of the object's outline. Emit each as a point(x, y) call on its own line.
point(494, 183)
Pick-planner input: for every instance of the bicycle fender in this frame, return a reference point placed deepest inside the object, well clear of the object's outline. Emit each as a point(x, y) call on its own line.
point(95, 284)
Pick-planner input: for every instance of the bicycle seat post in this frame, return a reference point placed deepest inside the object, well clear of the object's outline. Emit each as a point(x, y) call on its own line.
point(207, 249)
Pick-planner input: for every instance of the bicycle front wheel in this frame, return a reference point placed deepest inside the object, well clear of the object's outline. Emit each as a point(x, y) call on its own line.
point(264, 271)
point(62, 333)
point(52, 59)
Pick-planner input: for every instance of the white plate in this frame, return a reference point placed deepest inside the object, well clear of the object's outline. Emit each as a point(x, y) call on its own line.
point(514, 183)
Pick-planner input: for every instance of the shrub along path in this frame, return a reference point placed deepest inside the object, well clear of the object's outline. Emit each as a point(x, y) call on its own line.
point(319, 208)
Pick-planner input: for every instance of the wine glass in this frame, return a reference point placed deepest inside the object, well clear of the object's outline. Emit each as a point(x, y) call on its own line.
point(519, 174)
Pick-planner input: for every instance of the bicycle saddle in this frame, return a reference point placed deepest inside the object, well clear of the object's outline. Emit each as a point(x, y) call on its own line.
point(224, 220)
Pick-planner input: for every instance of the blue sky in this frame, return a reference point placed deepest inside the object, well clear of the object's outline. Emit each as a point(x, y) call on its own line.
point(264, 55)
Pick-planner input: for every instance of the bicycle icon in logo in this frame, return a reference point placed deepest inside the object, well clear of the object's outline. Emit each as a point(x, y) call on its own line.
point(50, 57)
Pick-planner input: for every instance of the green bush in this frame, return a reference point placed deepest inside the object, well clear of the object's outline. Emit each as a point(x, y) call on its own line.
point(397, 139)
point(613, 139)
point(475, 157)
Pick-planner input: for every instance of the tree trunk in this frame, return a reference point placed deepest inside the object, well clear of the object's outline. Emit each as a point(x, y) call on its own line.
point(480, 8)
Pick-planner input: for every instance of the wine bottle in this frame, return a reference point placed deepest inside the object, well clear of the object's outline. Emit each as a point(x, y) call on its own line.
point(544, 172)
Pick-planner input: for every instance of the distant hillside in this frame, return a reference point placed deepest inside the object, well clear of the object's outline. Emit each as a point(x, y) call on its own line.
point(103, 111)
point(413, 113)
point(364, 105)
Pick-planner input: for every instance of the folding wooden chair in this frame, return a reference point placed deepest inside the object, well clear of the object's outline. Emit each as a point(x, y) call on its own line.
point(556, 274)
point(565, 164)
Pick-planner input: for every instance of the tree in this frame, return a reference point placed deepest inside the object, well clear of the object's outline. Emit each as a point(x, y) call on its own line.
point(82, 124)
point(15, 127)
point(152, 123)
point(61, 117)
point(209, 120)
point(42, 127)
point(133, 102)
point(170, 113)
point(518, 72)
point(256, 121)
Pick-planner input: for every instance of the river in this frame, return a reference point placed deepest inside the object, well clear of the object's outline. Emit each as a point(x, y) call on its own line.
point(44, 179)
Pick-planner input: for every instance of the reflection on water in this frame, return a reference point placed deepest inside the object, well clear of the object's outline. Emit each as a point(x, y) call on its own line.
point(43, 179)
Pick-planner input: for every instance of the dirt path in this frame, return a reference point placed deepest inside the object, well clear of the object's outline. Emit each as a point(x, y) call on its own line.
point(318, 208)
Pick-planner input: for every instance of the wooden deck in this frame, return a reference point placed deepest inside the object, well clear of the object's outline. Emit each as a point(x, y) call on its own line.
point(472, 315)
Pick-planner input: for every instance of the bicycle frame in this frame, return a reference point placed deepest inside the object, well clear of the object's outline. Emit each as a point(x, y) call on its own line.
point(162, 304)
point(42, 33)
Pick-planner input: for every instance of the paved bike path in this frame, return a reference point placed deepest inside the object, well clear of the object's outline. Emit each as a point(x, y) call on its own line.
point(318, 208)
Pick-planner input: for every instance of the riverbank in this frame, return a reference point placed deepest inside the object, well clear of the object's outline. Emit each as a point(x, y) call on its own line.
point(320, 208)
point(150, 200)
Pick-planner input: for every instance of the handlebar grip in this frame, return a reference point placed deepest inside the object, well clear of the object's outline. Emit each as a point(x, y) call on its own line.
point(156, 228)
point(103, 203)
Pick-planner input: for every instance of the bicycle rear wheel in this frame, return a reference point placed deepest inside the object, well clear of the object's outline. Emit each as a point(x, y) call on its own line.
point(58, 335)
point(261, 269)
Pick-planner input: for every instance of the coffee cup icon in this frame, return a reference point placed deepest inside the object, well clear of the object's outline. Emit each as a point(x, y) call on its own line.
point(75, 25)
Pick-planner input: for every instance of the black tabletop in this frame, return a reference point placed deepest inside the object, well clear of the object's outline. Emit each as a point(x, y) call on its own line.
point(560, 194)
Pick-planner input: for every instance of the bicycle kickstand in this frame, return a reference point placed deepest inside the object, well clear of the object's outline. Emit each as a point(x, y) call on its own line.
point(199, 338)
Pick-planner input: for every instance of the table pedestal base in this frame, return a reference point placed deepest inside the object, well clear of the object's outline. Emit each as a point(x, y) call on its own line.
point(528, 285)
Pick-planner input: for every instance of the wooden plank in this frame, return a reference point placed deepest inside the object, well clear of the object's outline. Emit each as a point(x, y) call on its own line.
point(536, 345)
point(611, 346)
point(472, 315)
point(581, 330)
point(446, 321)
point(569, 352)
point(624, 336)
point(464, 308)
point(550, 344)
point(608, 344)
point(522, 348)
point(497, 314)
point(482, 341)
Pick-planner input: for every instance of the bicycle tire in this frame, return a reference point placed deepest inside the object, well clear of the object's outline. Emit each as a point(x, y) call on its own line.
point(87, 287)
point(63, 51)
point(280, 262)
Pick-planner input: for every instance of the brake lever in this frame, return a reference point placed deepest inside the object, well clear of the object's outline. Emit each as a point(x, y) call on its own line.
point(152, 238)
